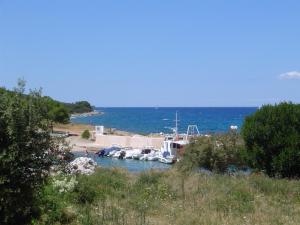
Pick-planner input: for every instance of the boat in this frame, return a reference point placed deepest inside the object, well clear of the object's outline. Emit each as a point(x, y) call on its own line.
point(167, 160)
point(142, 154)
point(172, 146)
point(132, 152)
point(113, 152)
point(153, 156)
point(107, 151)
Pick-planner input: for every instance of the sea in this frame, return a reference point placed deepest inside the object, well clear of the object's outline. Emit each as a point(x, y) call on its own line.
point(132, 165)
point(159, 119)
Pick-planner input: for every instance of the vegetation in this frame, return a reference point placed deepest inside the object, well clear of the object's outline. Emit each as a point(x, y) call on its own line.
point(113, 197)
point(56, 111)
point(79, 107)
point(86, 134)
point(182, 195)
point(216, 153)
point(272, 138)
point(26, 153)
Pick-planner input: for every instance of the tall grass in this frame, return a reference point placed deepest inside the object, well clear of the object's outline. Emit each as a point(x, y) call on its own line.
point(115, 197)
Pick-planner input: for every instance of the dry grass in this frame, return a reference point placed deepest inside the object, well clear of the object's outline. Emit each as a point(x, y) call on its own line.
point(160, 198)
point(73, 128)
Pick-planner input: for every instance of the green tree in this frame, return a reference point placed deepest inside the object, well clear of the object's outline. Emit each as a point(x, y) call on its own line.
point(26, 154)
point(272, 138)
point(86, 134)
point(56, 111)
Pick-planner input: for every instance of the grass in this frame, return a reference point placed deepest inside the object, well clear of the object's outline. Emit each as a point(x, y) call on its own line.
point(115, 197)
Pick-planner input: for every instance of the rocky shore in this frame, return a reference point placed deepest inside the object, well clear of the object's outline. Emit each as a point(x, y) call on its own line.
point(87, 114)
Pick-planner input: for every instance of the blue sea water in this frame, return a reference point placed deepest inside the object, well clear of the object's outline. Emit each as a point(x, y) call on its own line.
point(129, 164)
point(156, 120)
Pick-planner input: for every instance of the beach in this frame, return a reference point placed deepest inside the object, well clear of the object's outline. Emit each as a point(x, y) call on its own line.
point(79, 144)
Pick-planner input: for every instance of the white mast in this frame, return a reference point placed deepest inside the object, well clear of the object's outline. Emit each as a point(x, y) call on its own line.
point(176, 121)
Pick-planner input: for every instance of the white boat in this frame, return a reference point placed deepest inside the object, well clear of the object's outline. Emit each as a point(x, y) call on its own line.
point(112, 153)
point(144, 153)
point(152, 156)
point(167, 160)
point(116, 154)
point(172, 145)
point(132, 152)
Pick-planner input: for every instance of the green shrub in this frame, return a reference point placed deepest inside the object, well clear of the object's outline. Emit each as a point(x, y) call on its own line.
point(215, 153)
point(24, 139)
point(85, 192)
point(26, 153)
point(100, 185)
point(86, 134)
point(272, 138)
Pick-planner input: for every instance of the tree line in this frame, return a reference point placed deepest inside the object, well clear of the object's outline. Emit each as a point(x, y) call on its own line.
point(58, 112)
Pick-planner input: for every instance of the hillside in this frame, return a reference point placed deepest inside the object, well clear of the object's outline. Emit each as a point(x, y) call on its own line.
point(58, 111)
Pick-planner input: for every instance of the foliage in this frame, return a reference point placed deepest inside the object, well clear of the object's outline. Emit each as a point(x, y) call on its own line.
point(99, 185)
point(55, 200)
point(272, 138)
point(57, 112)
point(79, 107)
point(215, 153)
point(26, 153)
point(86, 134)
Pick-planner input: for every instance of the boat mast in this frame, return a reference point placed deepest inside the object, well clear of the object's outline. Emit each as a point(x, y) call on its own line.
point(176, 128)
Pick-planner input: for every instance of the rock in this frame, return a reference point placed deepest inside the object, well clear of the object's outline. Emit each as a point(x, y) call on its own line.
point(82, 165)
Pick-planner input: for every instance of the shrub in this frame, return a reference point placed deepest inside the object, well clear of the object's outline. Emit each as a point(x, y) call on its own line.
point(100, 185)
point(86, 134)
point(272, 138)
point(26, 153)
point(24, 140)
point(215, 153)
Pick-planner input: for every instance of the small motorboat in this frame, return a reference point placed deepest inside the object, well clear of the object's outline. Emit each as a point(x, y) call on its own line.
point(166, 160)
point(143, 154)
point(153, 156)
point(130, 154)
point(107, 151)
point(100, 153)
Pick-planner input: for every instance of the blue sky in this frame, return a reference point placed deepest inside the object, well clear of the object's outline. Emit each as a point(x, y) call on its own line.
point(154, 53)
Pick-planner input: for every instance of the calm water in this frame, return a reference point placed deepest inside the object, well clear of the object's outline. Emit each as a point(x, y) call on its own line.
point(129, 164)
point(155, 120)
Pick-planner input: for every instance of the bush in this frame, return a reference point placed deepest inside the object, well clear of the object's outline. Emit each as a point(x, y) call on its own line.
point(26, 153)
point(215, 153)
point(86, 134)
point(272, 138)
point(100, 185)
point(24, 139)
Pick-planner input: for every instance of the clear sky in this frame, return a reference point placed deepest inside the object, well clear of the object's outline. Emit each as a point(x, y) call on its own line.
point(155, 52)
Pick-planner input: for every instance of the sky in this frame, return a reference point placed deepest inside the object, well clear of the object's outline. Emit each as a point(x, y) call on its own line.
point(154, 53)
